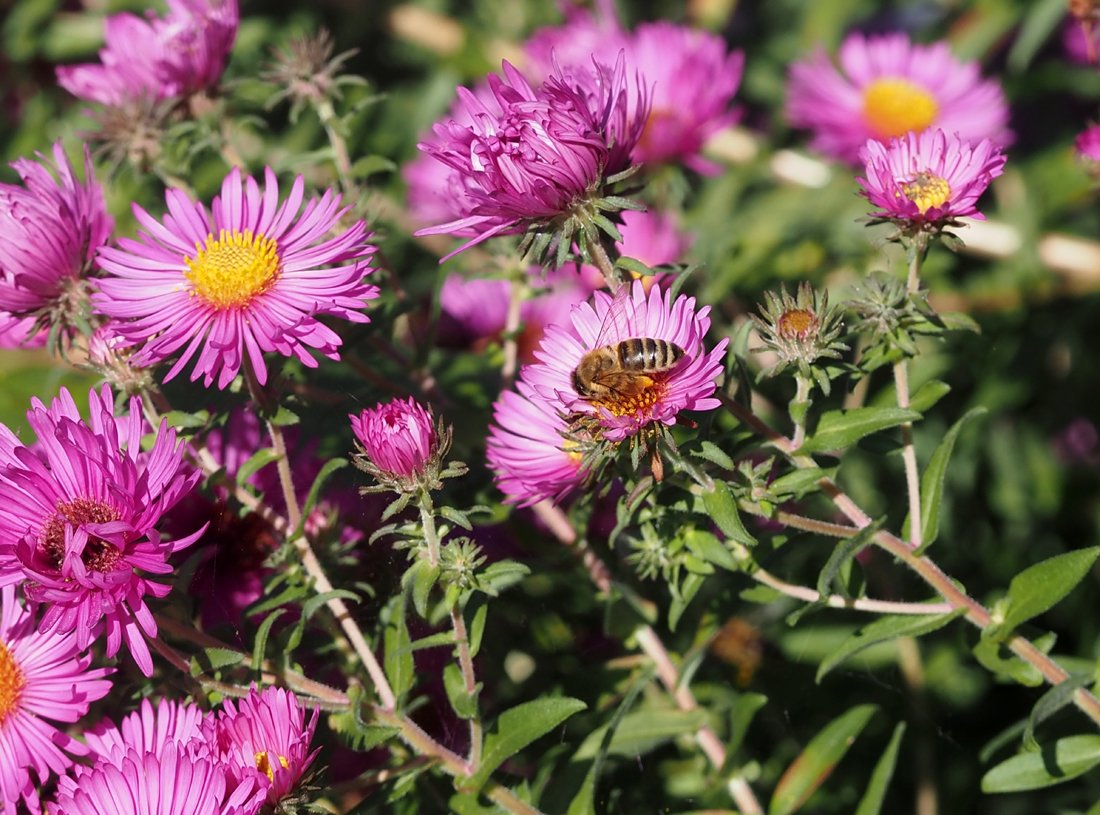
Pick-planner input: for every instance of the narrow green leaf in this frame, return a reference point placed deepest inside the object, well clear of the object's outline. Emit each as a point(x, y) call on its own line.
point(844, 551)
point(871, 803)
point(883, 630)
point(1061, 761)
point(709, 548)
point(214, 659)
point(260, 645)
point(840, 429)
point(398, 664)
point(1041, 20)
point(682, 595)
point(741, 717)
point(463, 703)
point(931, 483)
point(642, 731)
point(477, 623)
point(928, 395)
point(330, 466)
point(178, 419)
point(1050, 703)
point(1042, 586)
point(995, 657)
point(709, 451)
point(456, 517)
point(825, 750)
point(284, 417)
point(633, 265)
point(257, 461)
point(420, 578)
point(798, 483)
point(311, 606)
point(722, 508)
point(518, 727)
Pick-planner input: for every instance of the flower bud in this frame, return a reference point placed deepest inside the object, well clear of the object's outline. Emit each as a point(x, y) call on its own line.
point(400, 444)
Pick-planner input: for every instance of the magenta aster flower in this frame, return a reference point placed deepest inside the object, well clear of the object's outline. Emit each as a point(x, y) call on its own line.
point(158, 58)
point(887, 87)
point(531, 158)
point(249, 276)
point(1088, 143)
point(168, 782)
point(928, 178)
point(77, 518)
point(21, 332)
point(528, 451)
point(148, 730)
point(43, 678)
point(655, 395)
point(400, 442)
point(50, 229)
point(265, 740)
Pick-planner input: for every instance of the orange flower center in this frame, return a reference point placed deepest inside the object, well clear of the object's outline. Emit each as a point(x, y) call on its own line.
point(98, 555)
point(926, 191)
point(231, 270)
point(795, 323)
point(894, 107)
point(11, 683)
point(263, 764)
point(642, 396)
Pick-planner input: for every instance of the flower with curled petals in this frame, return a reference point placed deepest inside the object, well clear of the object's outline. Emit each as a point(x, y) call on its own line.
point(887, 86)
point(157, 58)
point(250, 276)
point(44, 678)
point(166, 782)
point(928, 179)
point(527, 449)
point(78, 516)
point(689, 384)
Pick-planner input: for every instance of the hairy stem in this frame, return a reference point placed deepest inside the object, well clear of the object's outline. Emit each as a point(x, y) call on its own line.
point(798, 410)
point(327, 115)
point(909, 455)
point(511, 326)
point(836, 601)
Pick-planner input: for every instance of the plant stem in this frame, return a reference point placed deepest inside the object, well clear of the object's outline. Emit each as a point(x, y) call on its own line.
point(511, 326)
point(602, 258)
point(927, 569)
point(909, 455)
point(798, 410)
point(653, 648)
point(327, 115)
point(857, 604)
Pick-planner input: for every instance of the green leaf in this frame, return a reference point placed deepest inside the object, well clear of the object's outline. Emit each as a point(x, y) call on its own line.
point(421, 577)
point(931, 483)
point(464, 704)
point(178, 419)
point(928, 395)
point(643, 731)
point(843, 552)
point(995, 657)
point(477, 623)
point(330, 466)
point(709, 548)
point(260, 645)
point(634, 265)
point(1050, 703)
point(722, 508)
point(883, 630)
point(741, 717)
point(313, 604)
point(871, 803)
point(798, 483)
point(1042, 586)
point(518, 727)
point(398, 664)
point(1040, 21)
point(840, 429)
point(709, 451)
point(825, 750)
point(1061, 761)
point(257, 461)
point(682, 595)
point(284, 417)
point(210, 660)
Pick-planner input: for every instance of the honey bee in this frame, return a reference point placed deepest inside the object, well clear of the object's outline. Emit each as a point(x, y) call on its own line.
point(618, 376)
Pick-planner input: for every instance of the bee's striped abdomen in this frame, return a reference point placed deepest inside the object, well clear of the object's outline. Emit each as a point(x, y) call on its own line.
point(645, 354)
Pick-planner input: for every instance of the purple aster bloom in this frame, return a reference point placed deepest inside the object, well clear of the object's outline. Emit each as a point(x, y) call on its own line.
point(689, 384)
point(1088, 143)
point(251, 276)
point(928, 178)
point(77, 519)
point(148, 730)
point(527, 449)
point(21, 332)
point(50, 229)
point(400, 439)
point(530, 157)
point(886, 87)
point(158, 58)
point(44, 678)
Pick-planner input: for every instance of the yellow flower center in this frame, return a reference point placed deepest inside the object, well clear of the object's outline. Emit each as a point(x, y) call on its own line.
point(795, 323)
point(926, 191)
point(11, 683)
point(642, 397)
point(232, 269)
point(263, 764)
point(894, 107)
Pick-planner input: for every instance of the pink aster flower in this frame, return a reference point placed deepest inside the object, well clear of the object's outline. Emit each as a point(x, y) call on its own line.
point(886, 87)
point(43, 678)
point(250, 276)
point(148, 730)
point(686, 384)
point(528, 157)
point(928, 178)
point(21, 332)
point(158, 58)
point(400, 442)
point(527, 449)
point(265, 740)
point(1088, 143)
point(78, 512)
point(167, 782)
point(50, 229)
point(1081, 40)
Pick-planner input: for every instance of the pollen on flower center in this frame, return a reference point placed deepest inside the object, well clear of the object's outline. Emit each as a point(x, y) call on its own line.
point(98, 554)
point(11, 683)
point(626, 403)
point(263, 764)
point(232, 269)
point(927, 190)
point(893, 107)
point(795, 323)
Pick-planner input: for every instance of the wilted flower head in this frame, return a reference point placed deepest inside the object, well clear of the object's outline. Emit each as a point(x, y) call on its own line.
point(44, 678)
point(250, 276)
point(887, 87)
point(928, 179)
point(158, 58)
point(534, 159)
point(306, 72)
point(802, 331)
point(50, 229)
point(265, 739)
point(637, 359)
point(400, 444)
point(77, 519)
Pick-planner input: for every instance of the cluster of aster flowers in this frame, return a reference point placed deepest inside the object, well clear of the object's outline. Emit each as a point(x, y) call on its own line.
point(622, 367)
